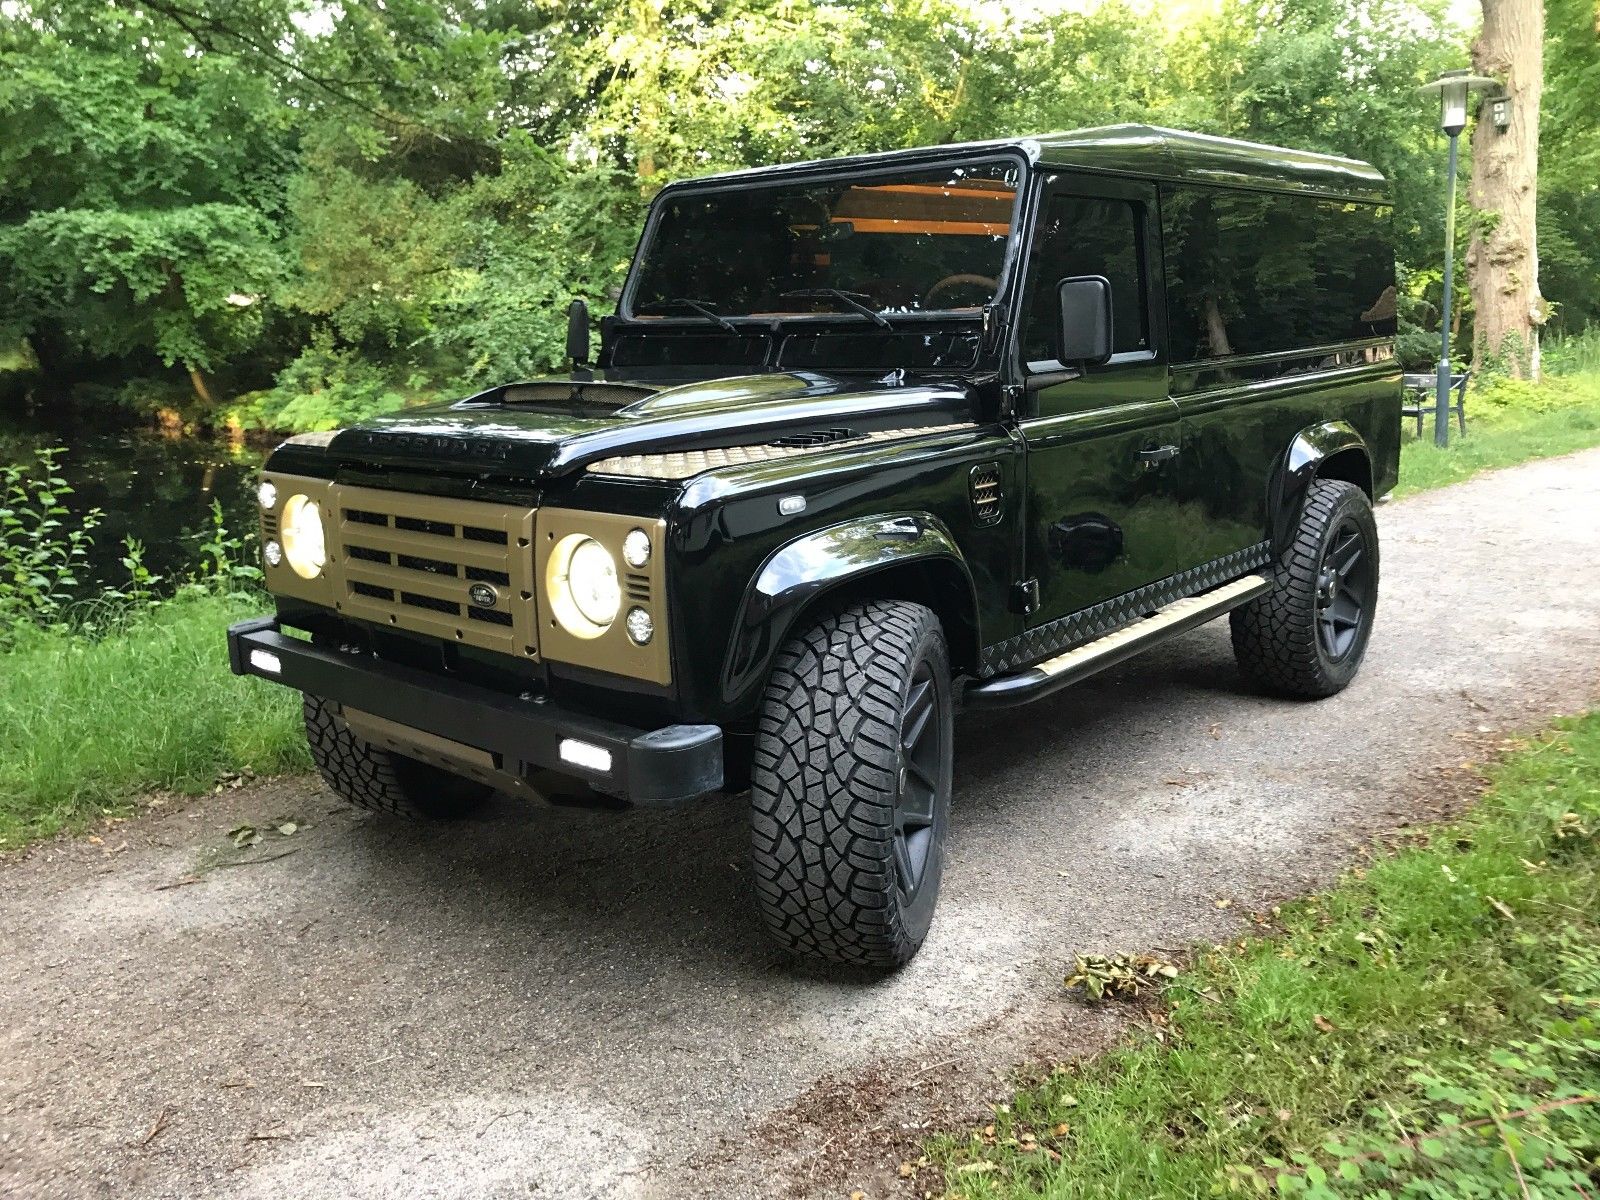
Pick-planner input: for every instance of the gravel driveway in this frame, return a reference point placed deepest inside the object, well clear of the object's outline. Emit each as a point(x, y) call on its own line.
point(560, 1004)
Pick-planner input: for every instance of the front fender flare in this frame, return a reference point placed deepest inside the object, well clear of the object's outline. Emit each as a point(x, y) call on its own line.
point(1311, 447)
point(802, 570)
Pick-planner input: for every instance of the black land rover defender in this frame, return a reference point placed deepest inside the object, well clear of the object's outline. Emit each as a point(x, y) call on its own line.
point(866, 442)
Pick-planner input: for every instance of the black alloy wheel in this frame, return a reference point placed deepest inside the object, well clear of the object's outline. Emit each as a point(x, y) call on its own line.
point(923, 752)
point(1344, 585)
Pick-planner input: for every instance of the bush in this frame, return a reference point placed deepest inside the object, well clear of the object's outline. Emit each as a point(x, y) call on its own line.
point(42, 551)
point(327, 387)
point(1573, 353)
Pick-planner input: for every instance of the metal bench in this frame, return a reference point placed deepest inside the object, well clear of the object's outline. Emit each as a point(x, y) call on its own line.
point(1422, 398)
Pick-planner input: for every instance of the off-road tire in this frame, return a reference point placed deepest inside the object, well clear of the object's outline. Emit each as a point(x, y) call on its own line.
point(829, 770)
point(1275, 636)
point(381, 780)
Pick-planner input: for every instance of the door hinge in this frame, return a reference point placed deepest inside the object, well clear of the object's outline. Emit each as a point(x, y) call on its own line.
point(1025, 597)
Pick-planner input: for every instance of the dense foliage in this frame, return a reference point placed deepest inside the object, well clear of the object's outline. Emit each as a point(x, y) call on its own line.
point(327, 210)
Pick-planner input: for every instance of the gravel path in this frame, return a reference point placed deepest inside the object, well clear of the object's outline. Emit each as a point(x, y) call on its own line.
point(561, 1004)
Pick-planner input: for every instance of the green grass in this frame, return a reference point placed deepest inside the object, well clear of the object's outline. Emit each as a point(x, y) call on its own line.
point(86, 724)
point(1508, 422)
point(1401, 1035)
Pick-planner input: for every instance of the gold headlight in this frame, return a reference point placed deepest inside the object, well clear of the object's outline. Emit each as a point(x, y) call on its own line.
point(304, 547)
point(581, 582)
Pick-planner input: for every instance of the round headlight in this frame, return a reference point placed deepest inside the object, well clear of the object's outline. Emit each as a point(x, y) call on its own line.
point(267, 493)
point(581, 581)
point(301, 531)
point(636, 548)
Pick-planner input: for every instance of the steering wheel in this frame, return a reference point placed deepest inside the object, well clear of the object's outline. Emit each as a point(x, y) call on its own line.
point(950, 282)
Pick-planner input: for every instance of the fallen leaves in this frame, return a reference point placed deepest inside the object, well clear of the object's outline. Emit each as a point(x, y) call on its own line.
point(1119, 976)
point(244, 836)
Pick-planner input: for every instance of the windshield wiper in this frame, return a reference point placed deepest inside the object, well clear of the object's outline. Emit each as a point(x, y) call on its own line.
point(695, 306)
point(848, 299)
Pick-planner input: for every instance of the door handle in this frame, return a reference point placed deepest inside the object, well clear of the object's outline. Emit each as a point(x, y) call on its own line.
point(1156, 455)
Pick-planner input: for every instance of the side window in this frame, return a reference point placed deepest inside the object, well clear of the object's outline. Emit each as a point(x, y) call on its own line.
point(1086, 235)
point(1257, 272)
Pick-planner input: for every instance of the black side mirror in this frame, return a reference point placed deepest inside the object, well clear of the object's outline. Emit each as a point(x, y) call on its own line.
point(578, 333)
point(1085, 333)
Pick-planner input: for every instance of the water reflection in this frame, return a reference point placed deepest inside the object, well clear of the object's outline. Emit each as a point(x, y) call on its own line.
point(155, 488)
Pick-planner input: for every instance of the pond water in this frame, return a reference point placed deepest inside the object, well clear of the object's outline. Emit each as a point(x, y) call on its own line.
point(155, 488)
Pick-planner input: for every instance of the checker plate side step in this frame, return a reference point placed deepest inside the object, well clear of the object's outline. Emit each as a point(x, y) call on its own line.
point(1052, 674)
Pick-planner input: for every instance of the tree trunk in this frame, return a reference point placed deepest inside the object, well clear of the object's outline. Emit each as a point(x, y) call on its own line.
point(198, 380)
point(1503, 256)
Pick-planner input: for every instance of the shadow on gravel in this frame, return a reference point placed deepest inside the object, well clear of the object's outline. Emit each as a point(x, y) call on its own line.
point(668, 892)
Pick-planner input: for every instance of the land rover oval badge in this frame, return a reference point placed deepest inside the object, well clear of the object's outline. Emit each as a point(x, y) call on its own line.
point(482, 595)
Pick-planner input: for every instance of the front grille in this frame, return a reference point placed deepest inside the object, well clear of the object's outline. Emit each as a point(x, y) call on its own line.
point(413, 562)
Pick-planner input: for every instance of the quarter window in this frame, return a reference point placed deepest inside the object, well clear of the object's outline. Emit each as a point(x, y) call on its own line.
point(1259, 272)
point(1086, 235)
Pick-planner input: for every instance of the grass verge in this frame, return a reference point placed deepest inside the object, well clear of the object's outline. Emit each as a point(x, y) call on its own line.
point(86, 723)
point(1508, 422)
point(1430, 1027)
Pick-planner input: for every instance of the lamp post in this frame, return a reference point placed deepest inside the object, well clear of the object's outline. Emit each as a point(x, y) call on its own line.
point(1452, 87)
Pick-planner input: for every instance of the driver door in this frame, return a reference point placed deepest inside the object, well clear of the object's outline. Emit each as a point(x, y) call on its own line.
point(1102, 441)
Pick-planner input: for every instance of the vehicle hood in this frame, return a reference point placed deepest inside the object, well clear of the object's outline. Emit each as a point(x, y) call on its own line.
point(547, 428)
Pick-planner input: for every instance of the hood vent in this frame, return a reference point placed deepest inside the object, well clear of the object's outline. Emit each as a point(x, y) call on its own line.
point(815, 437)
point(987, 494)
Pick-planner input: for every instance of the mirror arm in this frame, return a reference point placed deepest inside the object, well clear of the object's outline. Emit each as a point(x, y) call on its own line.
point(578, 333)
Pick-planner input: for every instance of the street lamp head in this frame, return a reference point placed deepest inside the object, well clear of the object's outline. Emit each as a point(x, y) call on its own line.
point(1453, 87)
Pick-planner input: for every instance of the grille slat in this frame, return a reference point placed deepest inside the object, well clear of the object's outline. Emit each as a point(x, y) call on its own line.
point(400, 579)
point(451, 549)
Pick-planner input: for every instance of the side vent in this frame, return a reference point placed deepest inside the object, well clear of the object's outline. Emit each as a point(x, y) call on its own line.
point(814, 437)
point(987, 496)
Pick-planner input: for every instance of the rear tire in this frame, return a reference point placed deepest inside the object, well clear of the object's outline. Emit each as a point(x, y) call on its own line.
point(381, 780)
point(850, 785)
point(1306, 638)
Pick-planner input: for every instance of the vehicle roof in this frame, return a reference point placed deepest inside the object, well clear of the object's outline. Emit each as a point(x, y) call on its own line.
point(1145, 151)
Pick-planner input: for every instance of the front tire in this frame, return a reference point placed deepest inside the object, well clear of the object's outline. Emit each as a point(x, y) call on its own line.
point(850, 785)
point(1306, 638)
point(381, 780)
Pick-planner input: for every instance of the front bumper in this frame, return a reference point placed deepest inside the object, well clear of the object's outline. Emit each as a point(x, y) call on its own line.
point(656, 767)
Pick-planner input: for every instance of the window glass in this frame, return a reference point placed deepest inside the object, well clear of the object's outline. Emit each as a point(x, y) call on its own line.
point(1086, 235)
point(1256, 273)
point(918, 241)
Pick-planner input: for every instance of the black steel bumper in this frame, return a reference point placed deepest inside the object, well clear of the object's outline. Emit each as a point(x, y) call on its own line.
point(654, 767)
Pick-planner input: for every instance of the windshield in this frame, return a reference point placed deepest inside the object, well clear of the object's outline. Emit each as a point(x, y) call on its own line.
point(919, 241)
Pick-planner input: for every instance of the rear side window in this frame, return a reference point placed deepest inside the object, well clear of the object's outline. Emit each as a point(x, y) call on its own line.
point(1259, 273)
point(1086, 235)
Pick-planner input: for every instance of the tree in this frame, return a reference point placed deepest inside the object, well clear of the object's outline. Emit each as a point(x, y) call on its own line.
point(1503, 255)
point(138, 182)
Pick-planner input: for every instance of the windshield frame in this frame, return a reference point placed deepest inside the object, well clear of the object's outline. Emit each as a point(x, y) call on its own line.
point(830, 172)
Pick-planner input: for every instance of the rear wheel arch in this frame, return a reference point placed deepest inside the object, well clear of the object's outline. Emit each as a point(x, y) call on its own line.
point(1332, 450)
point(1351, 465)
